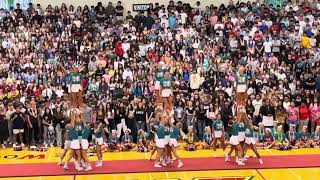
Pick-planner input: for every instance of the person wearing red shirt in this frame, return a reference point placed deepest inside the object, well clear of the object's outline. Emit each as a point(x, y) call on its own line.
point(304, 115)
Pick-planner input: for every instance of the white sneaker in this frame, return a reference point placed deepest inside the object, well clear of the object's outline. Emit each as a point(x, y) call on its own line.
point(157, 165)
point(79, 168)
point(180, 164)
point(51, 145)
point(14, 145)
point(88, 168)
point(66, 167)
point(60, 163)
point(227, 159)
point(240, 163)
point(260, 161)
point(22, 145)
point(163, 164)
point(99, 164)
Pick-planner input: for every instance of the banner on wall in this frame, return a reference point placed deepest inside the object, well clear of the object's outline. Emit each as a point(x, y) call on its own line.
point(6, 4)
point(140, 7)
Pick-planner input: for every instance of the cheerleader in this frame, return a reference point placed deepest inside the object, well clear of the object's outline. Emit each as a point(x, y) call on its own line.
point(268, 139)
point(75, 86)
point(292, 137)
point(75, 149)
point(67, 144)
point(218, 134)
point(315, 138)
point(191, 140)
point(127, 141)
point(75, 141)
point(235, 144)
point(158, 78)
point(143, 142)
point(160, 143)
point(280, 139)
point(304, 138)
point(168, 149)
point(207, 140)
point(250, 141)
point(113, 142)
point(241, 88)
point(84, 147)
point(173, 143)
point(261, 133)
point(97, 137)
point(242, 118)
point(152, 139)
point(166, 91)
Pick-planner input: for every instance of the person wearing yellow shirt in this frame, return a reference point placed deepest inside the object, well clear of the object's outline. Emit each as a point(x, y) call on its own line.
point(305, 41)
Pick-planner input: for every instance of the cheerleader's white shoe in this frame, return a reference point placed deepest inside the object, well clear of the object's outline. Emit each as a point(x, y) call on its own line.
point(227, 159)
point(157, 165)
point(180, 164)
point(66, 167)
point(260, 161)
point(99, 164)
point(60, 163)
point(240, 163)
point(88, 168)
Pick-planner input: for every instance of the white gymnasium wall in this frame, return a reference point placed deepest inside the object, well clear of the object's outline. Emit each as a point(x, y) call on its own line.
point(127, 4)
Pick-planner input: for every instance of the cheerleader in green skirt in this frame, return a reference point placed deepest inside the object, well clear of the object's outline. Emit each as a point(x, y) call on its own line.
point(250, 141)
point(235, 144)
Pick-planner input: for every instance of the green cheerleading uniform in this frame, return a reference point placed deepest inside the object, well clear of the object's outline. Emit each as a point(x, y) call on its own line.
point(73, 134)
point(75, 143)
point(98, 137)
point(249, 138)
point(235, 129)
point(167, 133)
point(234, 139)
point(85, 137)
point(261, 134)
point(292, 137)
point(86, 132)
point(79, 128)
point(174, 135)
point(274, 132)
point(218, 128)
point(160, 137)
point(174, 132)
point(249, 132)
point(127, 139)
point(166, 83)
point(68, 140)
point(315, 136)
point(160, 132)
point(279, 137)
point(159, 75)
point(207, 138)
point(242, 129)
point(304, 137)
point(75, 78)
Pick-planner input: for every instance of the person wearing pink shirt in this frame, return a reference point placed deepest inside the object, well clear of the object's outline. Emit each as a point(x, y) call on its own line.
point(293, 114)
point(314, 109)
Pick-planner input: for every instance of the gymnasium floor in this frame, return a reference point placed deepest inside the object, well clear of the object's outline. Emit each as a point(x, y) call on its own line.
point(26, 159)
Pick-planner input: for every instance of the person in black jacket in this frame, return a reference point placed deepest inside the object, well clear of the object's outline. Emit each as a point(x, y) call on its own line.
point(3, 127)
point(226, 114)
